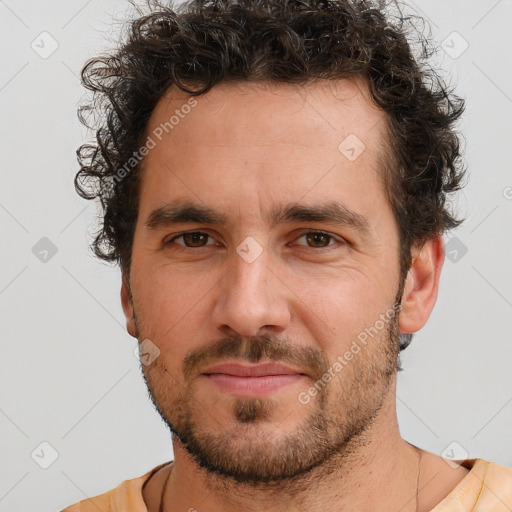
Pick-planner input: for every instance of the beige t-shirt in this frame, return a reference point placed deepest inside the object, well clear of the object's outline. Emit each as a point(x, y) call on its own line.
point(486, 488)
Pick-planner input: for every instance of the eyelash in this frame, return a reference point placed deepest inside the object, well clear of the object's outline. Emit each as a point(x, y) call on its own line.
point(315, 232)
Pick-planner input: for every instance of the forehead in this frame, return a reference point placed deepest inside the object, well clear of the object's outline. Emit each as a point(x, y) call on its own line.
point(276, 138)
point(332, 108)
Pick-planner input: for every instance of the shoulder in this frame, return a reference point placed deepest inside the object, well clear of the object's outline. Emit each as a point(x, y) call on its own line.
point(496, 489)
point(487, 486)
point(126, 496)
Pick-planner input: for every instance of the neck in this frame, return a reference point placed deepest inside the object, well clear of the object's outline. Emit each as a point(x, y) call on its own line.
point(380, 472)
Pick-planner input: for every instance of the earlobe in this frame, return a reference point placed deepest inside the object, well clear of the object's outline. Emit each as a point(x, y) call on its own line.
point(128, 307)
point(421, 285)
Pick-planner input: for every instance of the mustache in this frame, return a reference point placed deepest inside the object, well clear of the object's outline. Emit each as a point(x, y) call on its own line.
point(255, 349)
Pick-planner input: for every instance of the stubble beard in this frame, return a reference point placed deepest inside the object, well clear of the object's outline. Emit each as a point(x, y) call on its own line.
point(254, 452)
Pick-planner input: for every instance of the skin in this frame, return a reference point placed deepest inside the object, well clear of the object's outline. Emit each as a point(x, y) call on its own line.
point(242, 150)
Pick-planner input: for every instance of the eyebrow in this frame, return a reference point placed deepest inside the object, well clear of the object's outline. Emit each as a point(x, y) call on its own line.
point(332, 213)
point(189, 212)
point(181, 213)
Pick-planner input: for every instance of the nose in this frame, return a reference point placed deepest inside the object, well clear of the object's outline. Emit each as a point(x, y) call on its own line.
point(250, 299)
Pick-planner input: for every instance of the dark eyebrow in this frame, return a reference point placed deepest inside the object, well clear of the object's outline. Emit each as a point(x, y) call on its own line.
point(181, 213)
point(333, 213)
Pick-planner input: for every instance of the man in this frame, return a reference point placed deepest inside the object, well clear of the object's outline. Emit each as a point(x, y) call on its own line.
point(275, 178)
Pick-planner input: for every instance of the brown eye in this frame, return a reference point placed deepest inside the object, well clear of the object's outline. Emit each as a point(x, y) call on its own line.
point(322, 241)
point(318, 239)
point(195, 239)
point(192, 239)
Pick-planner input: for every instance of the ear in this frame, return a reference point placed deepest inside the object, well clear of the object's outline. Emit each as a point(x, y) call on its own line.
point(421, 285)
point(128, 306)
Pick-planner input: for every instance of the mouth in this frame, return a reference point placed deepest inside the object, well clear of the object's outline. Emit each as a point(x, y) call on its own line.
point(252, 380)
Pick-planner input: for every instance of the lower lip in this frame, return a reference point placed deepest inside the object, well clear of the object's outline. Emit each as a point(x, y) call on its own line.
point(250, 386)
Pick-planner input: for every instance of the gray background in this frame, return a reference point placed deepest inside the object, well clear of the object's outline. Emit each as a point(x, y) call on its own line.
point(68, 373)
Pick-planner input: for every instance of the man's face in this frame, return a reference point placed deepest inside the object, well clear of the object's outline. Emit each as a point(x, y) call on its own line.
point(262, 277)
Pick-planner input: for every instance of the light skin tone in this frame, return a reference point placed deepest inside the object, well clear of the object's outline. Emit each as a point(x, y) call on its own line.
point(244, 154)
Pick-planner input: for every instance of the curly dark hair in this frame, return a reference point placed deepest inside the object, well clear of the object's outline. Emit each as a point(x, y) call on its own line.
point(200, 43)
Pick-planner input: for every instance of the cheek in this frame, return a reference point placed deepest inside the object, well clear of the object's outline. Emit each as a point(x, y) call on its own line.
point(341, 303)
point(169, 306)
point(346, 315)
